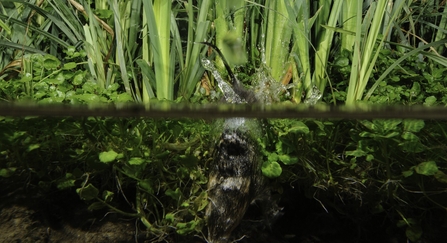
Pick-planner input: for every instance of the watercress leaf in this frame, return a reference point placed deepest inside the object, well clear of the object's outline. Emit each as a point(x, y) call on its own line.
point(51, 62)
point(107, 157)
point(107, 196)
point(170, 217)
point(7, 172)
point(88, 192)
point(440, 176)
point(413, 233)
point(429, 101)
point(174, 194)
point(96, 206)
point(427, 168)
point(136, 161)
point(288, 160)
point(413, 125)
point(69, 66)
point(184, 228)
point(201, 201)
point(271, 169)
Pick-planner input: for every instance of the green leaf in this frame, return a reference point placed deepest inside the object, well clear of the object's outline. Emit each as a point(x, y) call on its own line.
point(271, 169)
point(184, 228)
point(201, 201)
point(136, 161)
point(107, 157)
point(429, 101)
point(174, 194)
point(96, 206)
point(107, 196)
point(7, 172)
point(51, 62)
point(88, 192)
point(288, 160)
point(170, 217)
point(413, 125)
point(427, 168)
point(33, 147)
point(146, 186)
point(413, 233)
point(441, 176)
point(69, 66)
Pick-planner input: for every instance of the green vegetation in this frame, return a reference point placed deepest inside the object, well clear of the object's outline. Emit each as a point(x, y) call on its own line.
point(329, 51)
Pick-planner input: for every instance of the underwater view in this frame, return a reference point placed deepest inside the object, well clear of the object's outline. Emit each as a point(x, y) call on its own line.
point(211, 121)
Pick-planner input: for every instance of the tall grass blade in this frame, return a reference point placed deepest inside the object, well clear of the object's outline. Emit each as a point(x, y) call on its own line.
point(158, 17)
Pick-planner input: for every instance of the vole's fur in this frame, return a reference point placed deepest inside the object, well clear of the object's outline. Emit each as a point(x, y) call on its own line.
point(235, 179)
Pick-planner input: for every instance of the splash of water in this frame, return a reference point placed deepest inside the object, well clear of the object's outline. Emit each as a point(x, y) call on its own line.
point(314, 97)
point(228, 92)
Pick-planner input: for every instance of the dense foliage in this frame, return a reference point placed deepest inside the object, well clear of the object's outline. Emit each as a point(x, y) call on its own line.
point(336, 52)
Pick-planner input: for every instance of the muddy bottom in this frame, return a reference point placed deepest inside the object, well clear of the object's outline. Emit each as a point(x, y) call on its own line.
point(28, 215)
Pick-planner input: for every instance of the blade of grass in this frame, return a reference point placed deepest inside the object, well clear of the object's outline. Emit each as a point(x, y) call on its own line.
point(322, 55)
point(278, 37)
point(159, 23)
point(197, 32)
point(366, 53)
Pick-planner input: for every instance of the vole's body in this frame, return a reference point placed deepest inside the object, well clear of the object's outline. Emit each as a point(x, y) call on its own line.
point(233, 181)
point(235, 178)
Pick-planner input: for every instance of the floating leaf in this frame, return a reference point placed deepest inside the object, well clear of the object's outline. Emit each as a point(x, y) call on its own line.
point(107, 157)
point(427, 168)
point(271, 169)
